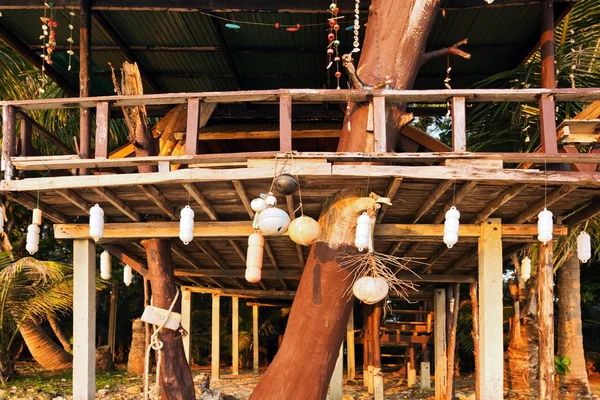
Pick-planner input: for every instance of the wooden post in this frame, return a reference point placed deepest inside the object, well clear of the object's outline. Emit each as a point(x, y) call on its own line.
point(186, 321)
point(146, 303)
point(26, 146)
point(84, 319)
point(351, 360)
point(235, 335)
point(491, 350)
point(475, 334)
point(85, 75)
point(377, 374)
point(255, 345)
point(546, 319)
point(191, 132)
point(411, 372)
point(379, 121)
point(369, 337)
point(425, 376)
point(439, 333)
point(546, 103)
point(459, 124)
point(453, 305)
point(102, 129)
point(8, 140)
point(365, 360)
point(337, 379)
point(216, 348)
point(112, 318)
point(285, 123)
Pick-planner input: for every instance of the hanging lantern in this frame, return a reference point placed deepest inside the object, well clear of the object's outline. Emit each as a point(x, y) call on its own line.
point(451, 227)
point(525, 268)
point(363, 232)
point(37, 216)
point(105, 267)
point(1, 220)
point(254, 257)
point(271, 200)
point(273, 221)
point(258, 205)
point(545, 226)
point(33, 239)
point(127, 275)
point(186, 225)
point(286, 184)
point(96, 222)
point(370, 290)
point(304, 230)
point(584, 247)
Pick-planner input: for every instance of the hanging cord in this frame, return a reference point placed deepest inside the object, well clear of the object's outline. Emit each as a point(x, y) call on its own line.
point(156, 344)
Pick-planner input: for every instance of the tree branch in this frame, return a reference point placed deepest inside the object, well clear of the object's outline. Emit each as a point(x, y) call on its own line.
point(454, 49)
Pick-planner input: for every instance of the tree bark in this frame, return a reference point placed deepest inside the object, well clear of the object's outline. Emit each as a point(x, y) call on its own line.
point(570, 338)
point(475, 334)
point(451, 349)
point(176, 378)
point(546, 320)
point(60, 334)
point(136, 360)
point(43, 349)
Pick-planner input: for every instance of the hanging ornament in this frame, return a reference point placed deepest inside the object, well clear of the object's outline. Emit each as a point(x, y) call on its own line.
point(96, 222)
point(304, 230)
point(525, 268)
point(545, 226)
point(258, 204)
point(1, 219)
point(105, 267)
point(70, 52)
point(584, 247)
point(273, 221)
point(37, 216)
point(186, 225)
point(33, 239)
point(448, 69)
point(254, 257)
point(370, 290)
point(286, 184)
point(334, 42)
point(451, 227)
point(270, 199)
point(127, 275)
point(363, 232)
point(356, 27)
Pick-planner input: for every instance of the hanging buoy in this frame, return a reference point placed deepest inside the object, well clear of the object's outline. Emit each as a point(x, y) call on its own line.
point(254, 257)
point(451, 227)
point(370, 290)
point(584, 247)
point(96, 222)
point(258, 205)
point(127, 275)
point(304, 230)
point(363, 232)
point(37, 216)
point(105, 267)
point(545, 226)
point(271, 200)
point(186, 225)
point(33, 239)
point(1, 219)
point(286, 184)
point(273, 221)
point(525, 268)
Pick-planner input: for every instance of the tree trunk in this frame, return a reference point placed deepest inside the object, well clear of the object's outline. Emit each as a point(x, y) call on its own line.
point(60, 334)
point(451, 349)
point(43, 349)
point(475, 334)
point(546, 319)
point(136, 360)
point(570, 339)
point(176, 378)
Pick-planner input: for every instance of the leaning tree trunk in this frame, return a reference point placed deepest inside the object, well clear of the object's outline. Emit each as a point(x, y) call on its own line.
point(60, 334)
point(43, 349)
point(570, 338)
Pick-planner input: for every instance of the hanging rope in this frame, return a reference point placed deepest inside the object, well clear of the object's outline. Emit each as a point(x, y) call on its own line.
point(156, 344)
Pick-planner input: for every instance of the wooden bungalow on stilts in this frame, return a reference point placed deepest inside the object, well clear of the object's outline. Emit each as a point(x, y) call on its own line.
point(244, 116)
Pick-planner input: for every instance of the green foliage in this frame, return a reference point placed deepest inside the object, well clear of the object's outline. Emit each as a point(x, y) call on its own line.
point(561, 365)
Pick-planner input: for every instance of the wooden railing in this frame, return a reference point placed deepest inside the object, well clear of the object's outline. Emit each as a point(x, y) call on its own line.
point(381, 100)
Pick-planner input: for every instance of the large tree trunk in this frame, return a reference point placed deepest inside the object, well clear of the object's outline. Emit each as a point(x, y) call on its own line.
point(570, 338)
point(60, 334)
point(43, 349)
point(546, 318)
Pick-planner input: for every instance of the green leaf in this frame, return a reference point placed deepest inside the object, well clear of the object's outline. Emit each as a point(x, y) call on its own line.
point(566, 361)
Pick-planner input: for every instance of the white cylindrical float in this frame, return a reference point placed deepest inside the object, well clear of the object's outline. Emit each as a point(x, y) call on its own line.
point(451, 225)
point(304, 230)
point(96, 222)
point(545, 226)
point(37, 216)
point(525, 268)
point(273, 221)
point(370, 290)
point(363, 232)
point(584, 247)
point(254, 257)
point(186, 225)
point(33, 239)
point(127, 275)
point(105, 267)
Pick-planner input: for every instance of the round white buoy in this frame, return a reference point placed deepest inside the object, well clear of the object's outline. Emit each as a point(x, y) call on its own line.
point(273, 221)
point(370, 290)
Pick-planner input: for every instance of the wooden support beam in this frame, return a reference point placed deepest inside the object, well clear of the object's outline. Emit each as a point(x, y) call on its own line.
point(243, 195)
point(85, 78)
point(31, 203)
point(552, 197)
point(379, 124)
point(274, 263)
point(75, 199)
point(84, 319)
point(498, 202)
point(491, 350)
point(587, 212)
point(350, 348)
point(439, 331)
point(456, 199)
point(251, 294)
point(8, 140)
point(215, 353)
point(219, 261)
point(235, 335)
point(119, 204)
point(116, 251)
point(548, 124)
point(433, 197)
point(186, 321)
point(160, 200)
point(285, 123)
point(459, 124)
point(390, 193)
point(191, 135)
point(102, 129)
point(181, 253)
point(25, 139)
point(44, 133)
point(255, 344)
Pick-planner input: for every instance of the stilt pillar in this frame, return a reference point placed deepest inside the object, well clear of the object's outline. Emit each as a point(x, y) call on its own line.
point(112, 318)
point(425, 376)
point(490, 349)
point(186, 321)
point(255, 345)
point(84, 320)
point(337, 379)
point(235, 335)
point(377, 374)
point(350, 347)
point(439, 334)
point(216, 348)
